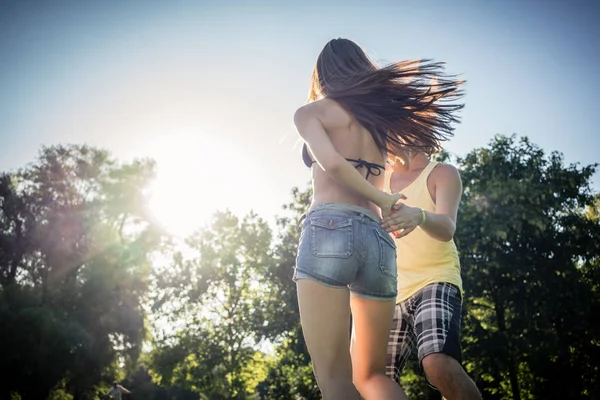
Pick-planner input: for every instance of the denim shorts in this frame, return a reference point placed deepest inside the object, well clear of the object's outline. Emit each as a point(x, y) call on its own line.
point(342, 245)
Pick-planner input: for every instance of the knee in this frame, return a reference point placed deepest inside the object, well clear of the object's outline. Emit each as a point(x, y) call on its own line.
point(449, 377)
point(331, 377)
point(335, 387)
point(439, 367)
point(362, 378)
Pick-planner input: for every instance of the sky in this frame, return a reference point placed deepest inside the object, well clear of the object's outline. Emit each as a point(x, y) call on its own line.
point(208, 88)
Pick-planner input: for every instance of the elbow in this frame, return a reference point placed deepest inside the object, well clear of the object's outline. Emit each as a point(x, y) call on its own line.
point(449, 234)
point(333, 166)
point(446, 238)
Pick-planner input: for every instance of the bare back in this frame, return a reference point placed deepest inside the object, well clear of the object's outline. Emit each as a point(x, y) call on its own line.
point(352, 141)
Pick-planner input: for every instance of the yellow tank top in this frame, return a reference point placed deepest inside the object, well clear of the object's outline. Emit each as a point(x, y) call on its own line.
point(423, 260)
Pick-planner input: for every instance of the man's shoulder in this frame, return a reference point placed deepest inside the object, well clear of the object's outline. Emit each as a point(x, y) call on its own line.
point(444, 167)
point(445, 173)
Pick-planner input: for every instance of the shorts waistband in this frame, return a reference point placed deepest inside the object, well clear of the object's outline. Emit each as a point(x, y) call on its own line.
point(346, 207)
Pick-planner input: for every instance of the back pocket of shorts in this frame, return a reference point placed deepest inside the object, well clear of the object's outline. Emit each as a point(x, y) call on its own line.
point(387, 253)
point(331, 237)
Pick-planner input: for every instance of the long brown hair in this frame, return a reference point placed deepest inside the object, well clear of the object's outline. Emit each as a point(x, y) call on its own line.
point(404, 104)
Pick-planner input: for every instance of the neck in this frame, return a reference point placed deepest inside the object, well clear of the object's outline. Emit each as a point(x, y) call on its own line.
point(418, 161)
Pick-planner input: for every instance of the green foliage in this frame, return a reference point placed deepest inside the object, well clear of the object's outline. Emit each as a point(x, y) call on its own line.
point(220, 293)
point(526, 246)
point(291, 375)
point(77, 286)
point(73, 271)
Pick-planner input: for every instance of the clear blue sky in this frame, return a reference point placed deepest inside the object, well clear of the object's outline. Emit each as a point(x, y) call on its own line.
point(220, 82)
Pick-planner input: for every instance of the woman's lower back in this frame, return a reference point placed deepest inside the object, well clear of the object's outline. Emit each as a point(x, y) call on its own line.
point(351, 142)
point(332, 192)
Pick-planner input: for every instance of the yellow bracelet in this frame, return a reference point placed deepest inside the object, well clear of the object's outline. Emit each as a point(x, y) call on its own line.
point(423, 215)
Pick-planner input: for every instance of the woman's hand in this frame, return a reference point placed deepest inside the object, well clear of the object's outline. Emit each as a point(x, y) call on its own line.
point(402, 221)
point(388, 206)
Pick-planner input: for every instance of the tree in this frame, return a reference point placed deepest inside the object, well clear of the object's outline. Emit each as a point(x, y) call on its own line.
point(74, 247)
point(528, 251)
point(219, 294)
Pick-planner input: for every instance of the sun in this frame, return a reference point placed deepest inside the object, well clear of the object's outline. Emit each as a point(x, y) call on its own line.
point(180, 215)
point(188, 188)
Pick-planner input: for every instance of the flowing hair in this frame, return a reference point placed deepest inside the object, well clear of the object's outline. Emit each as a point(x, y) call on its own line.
point(408, 104)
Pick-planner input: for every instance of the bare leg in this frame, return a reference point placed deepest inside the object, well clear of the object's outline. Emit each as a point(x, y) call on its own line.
point(446, 374)
point(372, 321)
point(325, 318)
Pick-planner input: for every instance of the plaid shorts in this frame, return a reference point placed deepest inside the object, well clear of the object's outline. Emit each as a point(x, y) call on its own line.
point(431, 320)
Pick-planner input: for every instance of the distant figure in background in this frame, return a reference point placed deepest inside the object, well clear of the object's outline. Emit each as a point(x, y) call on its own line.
point(429, 303)
point(357, 114)
point(116, 391)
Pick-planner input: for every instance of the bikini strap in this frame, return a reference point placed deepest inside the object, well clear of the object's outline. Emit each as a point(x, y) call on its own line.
point(372, 168)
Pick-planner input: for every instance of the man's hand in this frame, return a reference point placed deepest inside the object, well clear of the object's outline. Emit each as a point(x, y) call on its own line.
point(402, 221)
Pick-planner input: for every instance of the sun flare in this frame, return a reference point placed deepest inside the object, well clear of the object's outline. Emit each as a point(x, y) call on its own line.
point(188, 186)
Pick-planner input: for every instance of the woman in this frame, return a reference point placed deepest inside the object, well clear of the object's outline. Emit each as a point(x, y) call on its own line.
point(356, 114)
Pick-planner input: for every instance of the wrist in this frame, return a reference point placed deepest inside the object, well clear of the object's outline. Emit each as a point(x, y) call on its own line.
point(421, 215)
point(384, 200)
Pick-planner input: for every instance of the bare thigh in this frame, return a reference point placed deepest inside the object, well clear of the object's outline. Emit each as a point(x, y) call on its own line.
point(325, 318)
point(372, 322)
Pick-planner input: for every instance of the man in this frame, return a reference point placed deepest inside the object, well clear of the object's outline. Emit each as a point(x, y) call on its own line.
point(429, 302)
point(116, 390)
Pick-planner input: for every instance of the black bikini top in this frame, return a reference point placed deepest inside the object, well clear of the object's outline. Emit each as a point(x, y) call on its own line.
point(372, 168)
